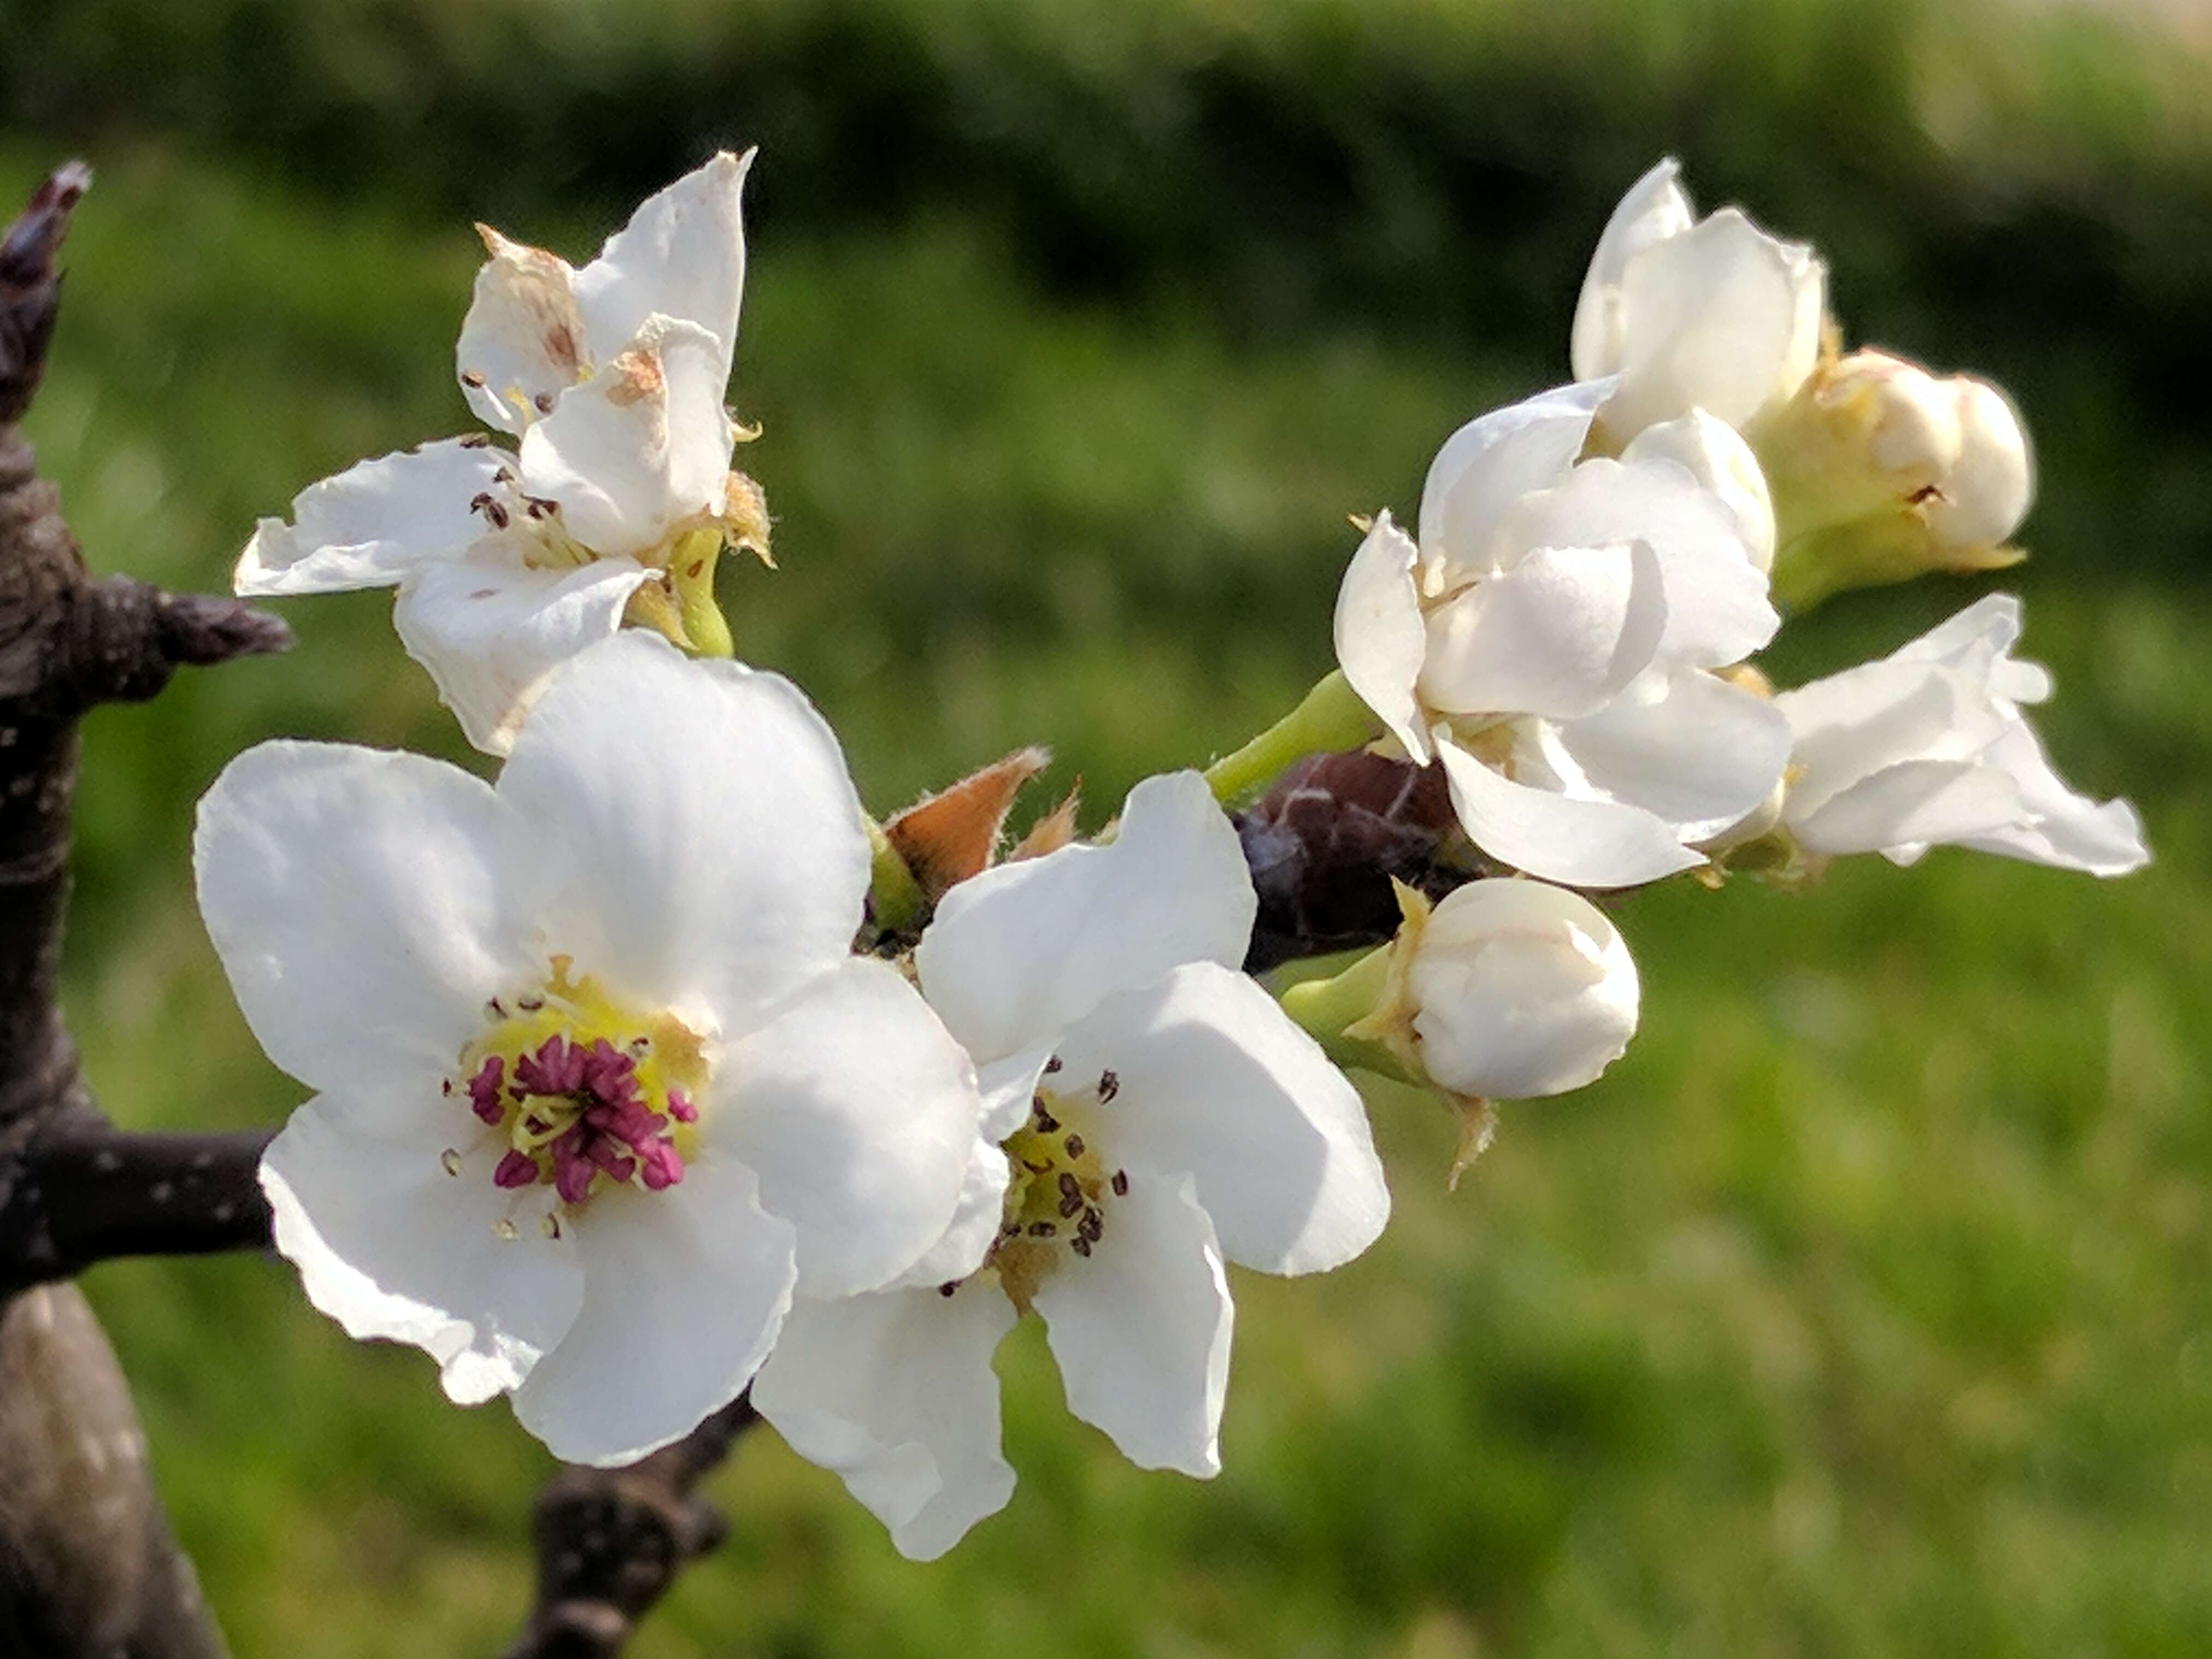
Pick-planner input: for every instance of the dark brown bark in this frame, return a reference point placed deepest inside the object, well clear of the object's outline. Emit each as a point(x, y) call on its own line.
point(612, 1541)
point(1325, 842)
point(87, 1565)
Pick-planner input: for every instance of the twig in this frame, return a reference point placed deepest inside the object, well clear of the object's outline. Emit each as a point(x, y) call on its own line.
point(87, 1566)
point(612, 1541)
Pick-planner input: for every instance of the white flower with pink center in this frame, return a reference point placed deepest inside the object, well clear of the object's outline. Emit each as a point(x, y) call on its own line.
point(616, 497)
point(601, 1090)
point(1150, 1115)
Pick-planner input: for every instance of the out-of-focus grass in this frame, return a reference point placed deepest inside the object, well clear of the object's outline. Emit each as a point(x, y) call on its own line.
point(1862, 1310)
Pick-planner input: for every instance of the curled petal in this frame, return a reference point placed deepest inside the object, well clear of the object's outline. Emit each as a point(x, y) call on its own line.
point(1559, 634)
point(1718, 610)
point(894, 1394)
point(1722, 317)
point(1714, 454)
point(1696, 751)
point(522, 344)
point(1489, 464)
point(2059, 827)
point(1581, 843)
point(1655, 208)
point(491, 629)
point(641, 447)
point(1140, 1328)
point(1380, 638)
point(682, 255)
point(374, 524)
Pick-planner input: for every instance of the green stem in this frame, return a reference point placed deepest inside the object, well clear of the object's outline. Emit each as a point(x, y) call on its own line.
point(1330, 718)
point(1323, 1006)
point(691, 570)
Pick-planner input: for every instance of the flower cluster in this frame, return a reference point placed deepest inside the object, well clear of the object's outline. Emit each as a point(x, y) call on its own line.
point(658, 1069)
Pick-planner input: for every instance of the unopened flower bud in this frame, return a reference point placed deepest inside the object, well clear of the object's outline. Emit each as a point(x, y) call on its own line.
point(1506, 988)
point(1882, 471)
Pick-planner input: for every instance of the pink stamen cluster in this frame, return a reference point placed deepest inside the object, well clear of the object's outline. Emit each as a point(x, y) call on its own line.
point(613, 1132)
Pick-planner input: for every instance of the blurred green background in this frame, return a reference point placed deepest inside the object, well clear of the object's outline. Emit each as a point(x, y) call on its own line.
point(1862, 1310)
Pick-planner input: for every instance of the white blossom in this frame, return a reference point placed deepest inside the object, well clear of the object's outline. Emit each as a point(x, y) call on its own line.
point(1513, 989)
point(1151, 1114)
point(611, 380)
point(1550, 638)
point(1710, 313)
point(1927, 747)
point(601, 1088)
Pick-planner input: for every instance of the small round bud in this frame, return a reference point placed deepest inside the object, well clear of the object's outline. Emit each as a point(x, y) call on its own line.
point(1520, 989)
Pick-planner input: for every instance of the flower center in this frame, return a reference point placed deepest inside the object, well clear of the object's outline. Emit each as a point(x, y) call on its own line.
point(580, 1092)
point(1059, 1188)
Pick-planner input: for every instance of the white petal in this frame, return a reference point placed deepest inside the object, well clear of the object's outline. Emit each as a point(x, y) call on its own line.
point(857, 1111)
point(1007, 1087)
point(491, 630)
point(976, 1215)
point(1700, 754)
point(1217, 1083)
point(1913, 803)
point(392, 1246)
point(522, 344)
point(1379, 636)
point(1987, 493)
point(1582, 843)
point(1851, 726)
point(374, 523)
point(2061, 828)
point(1978, 641)
point(1490, 463)
point(642, 446)
point(895, 1393)
point(360, 904)
point(1523, 989)
point(1722, 318)
point(1021, 951)
point(697, 819)
point(1718, 610)
point(685, 1291)
point(1558, 633)
point(1714, 454)
point(683, 254)
point(1140, 1328)
point(1655, 208)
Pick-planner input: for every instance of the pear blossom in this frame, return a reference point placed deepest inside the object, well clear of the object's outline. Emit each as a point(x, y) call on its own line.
point(1927, 747)
point(601, 1092)
point(1150, 1116)
point(1550, 638)
point(615, 496)
point(1710, 313)
point(1882, 470)
point(1507, 989)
